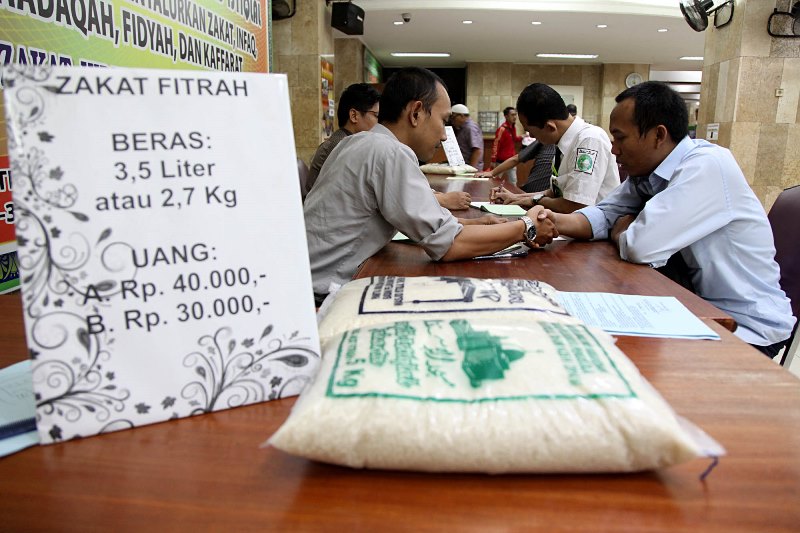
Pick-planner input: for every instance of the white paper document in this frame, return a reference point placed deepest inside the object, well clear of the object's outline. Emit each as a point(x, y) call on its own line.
point(17, 409)
point(640, 316)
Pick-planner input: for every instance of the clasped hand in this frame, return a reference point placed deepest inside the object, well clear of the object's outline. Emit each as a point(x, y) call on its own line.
point(546, 230)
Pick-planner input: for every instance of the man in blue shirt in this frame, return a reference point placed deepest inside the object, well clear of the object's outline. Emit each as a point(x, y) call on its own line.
point(688, 197)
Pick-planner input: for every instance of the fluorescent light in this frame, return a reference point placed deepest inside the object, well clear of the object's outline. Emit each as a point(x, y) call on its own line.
point(691, 58)
point(398, 22)
point(569, 56)
point(421, 54)
point(536, 23)
point(662, 30)
point(466, 22)
point(602, 25)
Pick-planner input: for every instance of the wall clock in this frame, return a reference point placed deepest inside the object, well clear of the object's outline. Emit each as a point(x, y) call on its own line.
point(634, 78)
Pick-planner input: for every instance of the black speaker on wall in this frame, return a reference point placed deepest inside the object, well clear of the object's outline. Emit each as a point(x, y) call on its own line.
point(283, 9)
point(348, 18)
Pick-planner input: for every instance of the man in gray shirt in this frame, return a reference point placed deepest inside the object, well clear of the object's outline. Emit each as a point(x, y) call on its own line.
point(371, 186)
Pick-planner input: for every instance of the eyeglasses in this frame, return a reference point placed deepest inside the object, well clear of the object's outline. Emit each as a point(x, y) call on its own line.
point(372, 113)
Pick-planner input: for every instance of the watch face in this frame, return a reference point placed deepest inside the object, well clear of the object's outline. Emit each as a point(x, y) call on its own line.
point(530, 233)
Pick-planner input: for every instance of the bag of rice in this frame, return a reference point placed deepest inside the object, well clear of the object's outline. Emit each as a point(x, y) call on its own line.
point(471, 391)
point(386, 298)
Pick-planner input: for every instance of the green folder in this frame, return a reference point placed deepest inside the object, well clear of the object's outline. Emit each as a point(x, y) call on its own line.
point(500, 209)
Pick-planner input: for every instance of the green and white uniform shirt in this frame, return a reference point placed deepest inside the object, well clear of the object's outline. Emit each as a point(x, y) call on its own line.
point(588, 171)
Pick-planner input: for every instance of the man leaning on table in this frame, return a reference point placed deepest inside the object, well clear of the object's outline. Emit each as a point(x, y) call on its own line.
point(586, 170)
point(371, 186)
point(688, 197)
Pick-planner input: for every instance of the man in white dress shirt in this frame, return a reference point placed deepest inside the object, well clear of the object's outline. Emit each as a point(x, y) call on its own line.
point(688, 200)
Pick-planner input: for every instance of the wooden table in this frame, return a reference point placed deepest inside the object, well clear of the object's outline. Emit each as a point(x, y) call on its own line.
point(577, 266)
point(566, 265)
point(208, 473)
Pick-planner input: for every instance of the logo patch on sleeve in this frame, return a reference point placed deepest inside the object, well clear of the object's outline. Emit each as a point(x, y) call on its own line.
point(584, 162)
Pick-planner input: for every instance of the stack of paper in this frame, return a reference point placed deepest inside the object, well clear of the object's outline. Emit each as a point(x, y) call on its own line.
point(640, 316)
point(17, 409)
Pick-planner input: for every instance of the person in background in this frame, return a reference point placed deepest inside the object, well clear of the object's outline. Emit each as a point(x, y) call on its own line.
point(572, 109)
point(504, 146)
point(357, 111)
point(586, 169)
point(371, 186)
point(687, 203)
point(468, 135)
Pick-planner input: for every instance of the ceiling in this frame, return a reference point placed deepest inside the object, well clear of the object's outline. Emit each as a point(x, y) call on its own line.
point(501, 31)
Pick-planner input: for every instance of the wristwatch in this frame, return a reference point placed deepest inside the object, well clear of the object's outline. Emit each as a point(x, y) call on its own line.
point(530, 231)
point(537, 198)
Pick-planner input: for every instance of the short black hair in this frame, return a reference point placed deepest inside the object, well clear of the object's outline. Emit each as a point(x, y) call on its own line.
point(655, 103)
point(408, 85)
point(572, 109)
point(539, 103)
point(507, 110)
point(359, 96)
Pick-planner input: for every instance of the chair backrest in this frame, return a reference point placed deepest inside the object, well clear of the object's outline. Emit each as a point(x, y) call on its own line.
point(302, 172)
point(784, 217)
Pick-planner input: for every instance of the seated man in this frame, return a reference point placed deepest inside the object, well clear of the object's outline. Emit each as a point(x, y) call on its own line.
point(586, 170)
point(688, 197)
point(357, 111)
point(371, 186)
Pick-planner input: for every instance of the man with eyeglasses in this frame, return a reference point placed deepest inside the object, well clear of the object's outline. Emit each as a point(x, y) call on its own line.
point(357, 111)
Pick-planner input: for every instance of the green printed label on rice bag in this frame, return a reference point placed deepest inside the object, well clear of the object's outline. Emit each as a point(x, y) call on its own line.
point(462, 361)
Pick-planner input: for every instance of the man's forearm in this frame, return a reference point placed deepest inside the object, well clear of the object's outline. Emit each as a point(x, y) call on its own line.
point(573, 225)
point(508, 164)
point(482, 240)
point(560, 205)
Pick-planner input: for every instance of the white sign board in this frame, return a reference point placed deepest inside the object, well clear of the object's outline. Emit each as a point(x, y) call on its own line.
point(161, 241)
point(451, 149)
point(712, 132)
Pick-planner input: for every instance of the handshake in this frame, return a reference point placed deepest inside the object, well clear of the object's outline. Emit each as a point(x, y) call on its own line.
point(544, 221)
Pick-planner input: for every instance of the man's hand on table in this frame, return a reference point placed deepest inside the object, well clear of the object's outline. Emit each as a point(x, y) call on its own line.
point(454, 200)
point(499, 195)
point(484, 174)
point(545, 228)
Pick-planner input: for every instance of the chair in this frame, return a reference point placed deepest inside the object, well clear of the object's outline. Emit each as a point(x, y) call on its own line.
point(302, 172)
point(783, 217)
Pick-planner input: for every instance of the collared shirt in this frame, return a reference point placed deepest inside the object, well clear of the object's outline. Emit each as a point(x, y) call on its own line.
point(322, 153)
point(369, 188)
point(697, 202)
point(588, 171)
point(470, 136)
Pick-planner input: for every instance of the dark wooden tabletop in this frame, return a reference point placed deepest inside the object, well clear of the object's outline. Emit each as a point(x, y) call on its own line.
point(567, 265)
point(208, 473)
